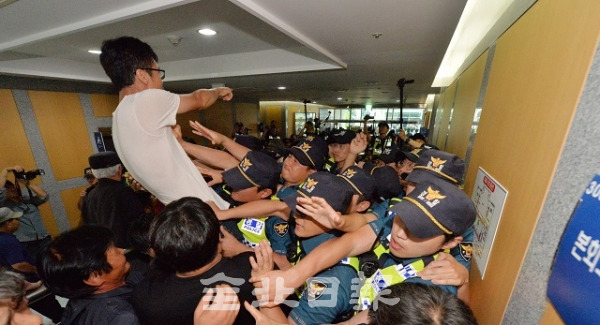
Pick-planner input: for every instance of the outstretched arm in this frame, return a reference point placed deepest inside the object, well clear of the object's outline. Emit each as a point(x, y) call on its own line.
point(203, 98)
point(407, 140)
point(210, 156)
point(254, 209)
point(237, 150)
point(206, 155)
point(325, 255)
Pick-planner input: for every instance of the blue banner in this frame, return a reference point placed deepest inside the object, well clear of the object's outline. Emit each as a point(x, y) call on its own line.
point(574, 285)
point(99, 141)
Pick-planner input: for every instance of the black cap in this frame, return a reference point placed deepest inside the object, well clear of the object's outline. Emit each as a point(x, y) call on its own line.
point(391, 154)
point(433, 209)
point(341, 136)
point(440, 164)
point(310, 151)
point(325, 185)
point(361, 182)
point(369, 166)
point(412, 155)
point(388, 183)
point(104, 160)
point(255, 169)
point(248, 141)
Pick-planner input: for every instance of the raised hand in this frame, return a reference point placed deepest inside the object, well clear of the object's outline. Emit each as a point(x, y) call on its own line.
point(445, 270)
point(214, 137)
point(359, 143)
point(318, 209)
point(263, 262)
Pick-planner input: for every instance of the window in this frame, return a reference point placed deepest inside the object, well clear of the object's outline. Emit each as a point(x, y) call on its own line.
point(299, 120)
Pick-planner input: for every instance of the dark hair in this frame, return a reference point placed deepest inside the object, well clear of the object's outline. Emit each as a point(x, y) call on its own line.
point(418, 303)
point(185, 235)
point(73, 257)
point(122, 56)
point(8, 185)
point(139, 233)
point(418, 136)
point(382, 124)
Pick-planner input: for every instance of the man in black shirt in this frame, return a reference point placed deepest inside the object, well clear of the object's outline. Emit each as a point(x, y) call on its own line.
point(111, 203)
point(185, 239)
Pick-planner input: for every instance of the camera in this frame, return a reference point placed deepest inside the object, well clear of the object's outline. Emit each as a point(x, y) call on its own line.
point(28, 175)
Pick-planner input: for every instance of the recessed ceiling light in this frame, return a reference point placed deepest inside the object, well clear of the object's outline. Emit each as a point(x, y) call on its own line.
point(339, 98)
point(94, 51)
point(207, 32)
point(281, 87)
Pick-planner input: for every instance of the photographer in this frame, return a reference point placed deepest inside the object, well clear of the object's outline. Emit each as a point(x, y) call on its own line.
point(32, 232)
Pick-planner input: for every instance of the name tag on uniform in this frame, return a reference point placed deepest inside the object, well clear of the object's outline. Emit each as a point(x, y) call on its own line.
point(254, 226)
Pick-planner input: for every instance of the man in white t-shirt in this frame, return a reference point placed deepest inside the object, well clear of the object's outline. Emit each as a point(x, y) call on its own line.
point(142, 122)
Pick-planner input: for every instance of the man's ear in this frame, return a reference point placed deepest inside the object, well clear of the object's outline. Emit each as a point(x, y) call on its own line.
point(452, 242)
point(143, 76)
point(95, 280)
point(267, 192)
point(363, 206)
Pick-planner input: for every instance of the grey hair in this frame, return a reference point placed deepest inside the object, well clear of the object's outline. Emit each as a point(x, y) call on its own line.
point(106, 172)
point(12, 284)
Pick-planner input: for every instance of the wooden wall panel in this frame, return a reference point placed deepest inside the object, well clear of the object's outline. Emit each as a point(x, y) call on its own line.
point(15, 150)
point(62, 125)
point(443, 116)
point(467, 95)
point(104, 105)
point(70, 198)
point(48, 218)
point(219, 117)
point(248, 114)
point(14, 146)
point(551, 317)
point(274, 113)
point(537, 75)
point(184, 121)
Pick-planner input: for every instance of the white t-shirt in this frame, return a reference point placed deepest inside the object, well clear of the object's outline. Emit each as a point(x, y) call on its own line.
point(141, 131)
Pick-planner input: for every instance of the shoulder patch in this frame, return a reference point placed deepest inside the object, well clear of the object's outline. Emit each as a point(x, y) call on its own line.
point(281, 228)
point(315, 289)
point(466, 250)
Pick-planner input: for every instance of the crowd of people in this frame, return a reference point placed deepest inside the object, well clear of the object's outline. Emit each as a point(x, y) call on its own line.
point(344, 227)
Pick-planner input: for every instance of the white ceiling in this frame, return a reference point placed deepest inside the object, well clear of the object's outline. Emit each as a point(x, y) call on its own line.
point(319, 49)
